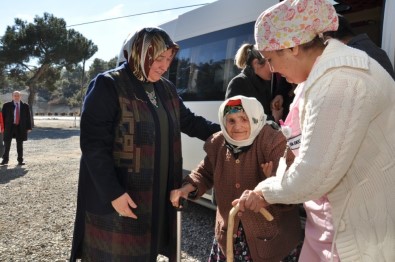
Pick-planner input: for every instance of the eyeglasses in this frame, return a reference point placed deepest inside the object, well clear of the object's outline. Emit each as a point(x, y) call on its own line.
point(261, 61)
point(254, 54)
point(271, 68)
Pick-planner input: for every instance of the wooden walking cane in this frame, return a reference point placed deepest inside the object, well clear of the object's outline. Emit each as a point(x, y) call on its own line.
point(229, 233)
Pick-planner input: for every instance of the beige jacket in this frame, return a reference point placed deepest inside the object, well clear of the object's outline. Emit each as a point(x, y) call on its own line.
point(348, 151)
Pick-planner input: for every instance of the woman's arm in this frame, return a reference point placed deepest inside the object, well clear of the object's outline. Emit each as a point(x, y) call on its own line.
point(335, 117)
point(196, 126)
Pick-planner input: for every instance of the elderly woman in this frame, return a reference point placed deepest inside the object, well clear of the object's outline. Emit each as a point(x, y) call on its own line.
point(131, 155)
point(232, 165)
point(343, 117)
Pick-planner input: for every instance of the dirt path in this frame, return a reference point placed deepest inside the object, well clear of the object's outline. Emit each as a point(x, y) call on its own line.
point(37, 200)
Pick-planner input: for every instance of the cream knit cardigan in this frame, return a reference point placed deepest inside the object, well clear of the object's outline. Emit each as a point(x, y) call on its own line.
point(348, 152)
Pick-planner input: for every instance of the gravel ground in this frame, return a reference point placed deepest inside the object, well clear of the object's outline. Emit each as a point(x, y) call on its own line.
point(38, 200)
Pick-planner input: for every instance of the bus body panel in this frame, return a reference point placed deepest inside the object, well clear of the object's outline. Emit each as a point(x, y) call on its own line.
point(215, 16)
point(388, 36)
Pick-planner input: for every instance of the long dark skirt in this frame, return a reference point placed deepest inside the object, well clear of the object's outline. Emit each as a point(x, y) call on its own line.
point(114, 238)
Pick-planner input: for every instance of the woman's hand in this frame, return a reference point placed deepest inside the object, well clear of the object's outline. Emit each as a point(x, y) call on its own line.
point(277, 102)
point(182, 192)
point(267, 168)
point(123, 205)
point(277, 107)
point(277, 114)
point(250, 200)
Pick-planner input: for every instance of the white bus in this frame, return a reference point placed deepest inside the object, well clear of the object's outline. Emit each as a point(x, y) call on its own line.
point(209, 37)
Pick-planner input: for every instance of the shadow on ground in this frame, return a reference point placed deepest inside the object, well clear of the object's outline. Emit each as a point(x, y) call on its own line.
point(52, 133)
point(17, 172)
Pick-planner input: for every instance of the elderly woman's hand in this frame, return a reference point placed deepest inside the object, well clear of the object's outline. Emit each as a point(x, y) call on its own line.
point(182, 192)
point(251, 200)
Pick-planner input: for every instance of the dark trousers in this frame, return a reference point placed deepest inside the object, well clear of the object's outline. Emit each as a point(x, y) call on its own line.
point(19, 146)
point(1, 145)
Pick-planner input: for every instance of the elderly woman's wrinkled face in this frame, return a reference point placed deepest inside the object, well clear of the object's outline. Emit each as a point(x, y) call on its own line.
point(160, 65)
point(238, 126)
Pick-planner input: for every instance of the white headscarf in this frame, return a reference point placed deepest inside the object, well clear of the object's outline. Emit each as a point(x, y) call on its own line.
point(256, 116)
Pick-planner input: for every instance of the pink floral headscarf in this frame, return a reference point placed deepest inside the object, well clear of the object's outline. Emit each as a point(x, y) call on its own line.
point(294, 22)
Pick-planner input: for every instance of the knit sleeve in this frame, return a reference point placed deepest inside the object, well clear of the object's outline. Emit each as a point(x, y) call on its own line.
point(335, 117)
point(202, 177)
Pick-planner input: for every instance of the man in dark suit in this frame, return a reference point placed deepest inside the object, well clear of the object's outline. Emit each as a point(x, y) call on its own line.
point(17, 123)
point(1, 135)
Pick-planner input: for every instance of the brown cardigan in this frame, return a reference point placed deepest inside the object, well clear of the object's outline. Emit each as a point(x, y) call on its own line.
point(267, 241)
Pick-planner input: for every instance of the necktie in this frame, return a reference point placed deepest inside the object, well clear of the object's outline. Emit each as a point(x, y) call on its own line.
point(17, 114)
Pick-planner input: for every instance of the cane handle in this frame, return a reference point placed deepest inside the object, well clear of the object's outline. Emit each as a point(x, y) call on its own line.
point(231, 222)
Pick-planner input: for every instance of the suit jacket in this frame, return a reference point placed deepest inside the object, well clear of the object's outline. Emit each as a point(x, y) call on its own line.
point(1, 134)
point(25, 123)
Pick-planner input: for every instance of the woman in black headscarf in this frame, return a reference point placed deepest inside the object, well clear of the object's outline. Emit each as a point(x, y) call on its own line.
point(131, 127)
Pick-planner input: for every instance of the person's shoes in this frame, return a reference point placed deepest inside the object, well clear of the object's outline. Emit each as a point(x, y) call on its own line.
point(3, 163)
point(20, 163)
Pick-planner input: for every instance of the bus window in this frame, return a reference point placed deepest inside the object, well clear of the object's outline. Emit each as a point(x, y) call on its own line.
point(204, 65)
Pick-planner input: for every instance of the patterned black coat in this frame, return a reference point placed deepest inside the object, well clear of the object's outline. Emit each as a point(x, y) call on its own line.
point(119, 134)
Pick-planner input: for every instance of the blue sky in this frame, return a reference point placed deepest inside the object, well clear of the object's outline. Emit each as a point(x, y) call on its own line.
point(107, 35)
